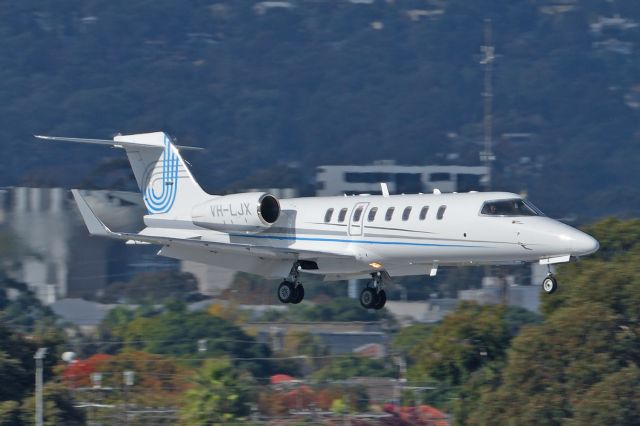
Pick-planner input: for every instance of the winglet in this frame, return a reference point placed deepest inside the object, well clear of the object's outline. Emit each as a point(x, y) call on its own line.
point(94, 225)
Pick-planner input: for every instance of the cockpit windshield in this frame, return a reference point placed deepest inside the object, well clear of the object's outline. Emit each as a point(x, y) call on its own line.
point(515, 207)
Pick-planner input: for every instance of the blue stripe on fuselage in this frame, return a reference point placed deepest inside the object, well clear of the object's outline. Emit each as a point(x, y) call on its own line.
point(337, 240)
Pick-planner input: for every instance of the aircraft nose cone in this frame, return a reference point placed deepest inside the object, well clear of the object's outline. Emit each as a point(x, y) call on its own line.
point(584, 244)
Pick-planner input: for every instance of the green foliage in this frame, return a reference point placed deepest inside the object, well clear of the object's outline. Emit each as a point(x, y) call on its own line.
point(347, 367)
point(610, 277)
point(465, 340)
point(154, 287)
point(613, 401)
point(16, 364)
point(338, 309)
point(23, 310)
point(58, 408)
point(575, 365)
point(220, 394)
point(176, 332)
point(407, 337)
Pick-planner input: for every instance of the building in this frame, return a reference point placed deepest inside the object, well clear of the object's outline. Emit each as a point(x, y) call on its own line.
point(357, 179)
point(58, 257)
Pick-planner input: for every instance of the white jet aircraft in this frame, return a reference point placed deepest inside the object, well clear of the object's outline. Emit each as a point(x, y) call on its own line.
point(365, 236)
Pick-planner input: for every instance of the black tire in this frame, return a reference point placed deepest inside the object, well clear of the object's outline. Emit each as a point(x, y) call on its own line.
point(549, 284)
point(286, 292)
point(368, 298)
point(382, 299)
point(299, 294)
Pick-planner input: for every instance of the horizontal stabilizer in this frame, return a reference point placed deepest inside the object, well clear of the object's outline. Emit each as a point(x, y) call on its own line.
point(115, 142)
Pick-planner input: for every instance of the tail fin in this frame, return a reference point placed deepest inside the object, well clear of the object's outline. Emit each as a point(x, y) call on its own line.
point(167, 185)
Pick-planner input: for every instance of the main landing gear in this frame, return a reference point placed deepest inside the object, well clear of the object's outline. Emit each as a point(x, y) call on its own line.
point(549, 284)
point(374, 297)
point(290, 290)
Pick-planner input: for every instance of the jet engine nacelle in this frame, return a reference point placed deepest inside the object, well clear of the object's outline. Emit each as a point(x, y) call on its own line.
point(248, 212)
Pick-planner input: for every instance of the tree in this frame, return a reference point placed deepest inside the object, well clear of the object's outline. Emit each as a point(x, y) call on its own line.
point(466, 339)
point(349, 366)
point(220, 394)
point(613, 401)
point(158, 381)
point(588, 342)
point(58, 408)
point(553, 365)
point(154, 287)
point(176, 332)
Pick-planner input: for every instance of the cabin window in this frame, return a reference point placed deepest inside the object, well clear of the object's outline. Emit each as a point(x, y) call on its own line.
point(516, 207)
point(423, 212)
point(357, 214)
point(389, 214)
point(440, 214)
point(327, 215)
point(342, 215)
point(372, 214)
point(406, 213)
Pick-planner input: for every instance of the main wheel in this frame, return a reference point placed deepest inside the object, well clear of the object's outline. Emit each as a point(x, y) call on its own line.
point(298, 294)
point(382, 299)
point(368, 298)
point(286, 292)
point(549, 284)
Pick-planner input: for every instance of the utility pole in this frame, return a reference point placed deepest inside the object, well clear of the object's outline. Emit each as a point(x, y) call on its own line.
point(39, 356)
point(128, 379)
point(488, 56)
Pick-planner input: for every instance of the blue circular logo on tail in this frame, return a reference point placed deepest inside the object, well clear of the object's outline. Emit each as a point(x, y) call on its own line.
point(160, 200)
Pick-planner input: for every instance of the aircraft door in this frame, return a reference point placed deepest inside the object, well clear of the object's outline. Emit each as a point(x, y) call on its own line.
point(356, 219)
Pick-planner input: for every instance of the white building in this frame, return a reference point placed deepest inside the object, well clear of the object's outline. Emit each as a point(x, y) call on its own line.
point(58, 257)
point(357, 179)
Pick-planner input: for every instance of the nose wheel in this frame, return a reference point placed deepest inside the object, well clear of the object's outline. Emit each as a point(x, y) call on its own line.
point(549, 284)
point(374, 297)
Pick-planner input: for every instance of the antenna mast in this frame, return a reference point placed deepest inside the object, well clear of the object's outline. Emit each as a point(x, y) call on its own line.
point(488, 56)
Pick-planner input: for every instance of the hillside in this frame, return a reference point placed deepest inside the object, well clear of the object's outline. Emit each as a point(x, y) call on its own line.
point(263, 85)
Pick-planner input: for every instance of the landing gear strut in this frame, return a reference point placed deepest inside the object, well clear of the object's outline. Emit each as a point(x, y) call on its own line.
point(290, 290)
point(374, 297)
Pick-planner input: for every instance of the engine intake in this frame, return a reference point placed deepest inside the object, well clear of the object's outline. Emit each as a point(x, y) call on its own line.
point(248, 212)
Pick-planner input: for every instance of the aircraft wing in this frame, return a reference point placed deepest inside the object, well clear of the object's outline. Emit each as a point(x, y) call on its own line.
point(98, 228)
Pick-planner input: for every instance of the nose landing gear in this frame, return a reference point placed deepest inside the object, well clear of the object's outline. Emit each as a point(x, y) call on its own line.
point(374, 297)
point(549, 284)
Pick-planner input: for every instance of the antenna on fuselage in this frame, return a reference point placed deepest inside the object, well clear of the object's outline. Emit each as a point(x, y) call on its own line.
point(385, 189)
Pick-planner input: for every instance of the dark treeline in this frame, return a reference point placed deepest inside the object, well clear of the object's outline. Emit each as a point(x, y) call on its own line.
point(328, 82)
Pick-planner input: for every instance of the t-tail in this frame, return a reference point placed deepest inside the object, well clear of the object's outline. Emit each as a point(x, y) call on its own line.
point(167, 185)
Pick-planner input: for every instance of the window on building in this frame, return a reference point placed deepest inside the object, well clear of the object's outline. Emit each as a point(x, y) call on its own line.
point(357, 214)
point(406, 213)
point(368, 177)
point(372, 214)
point(389, 214)
point(440, 214)
point(423, 212)
point(342, 215)
point(327, 215)
point(439, 177)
